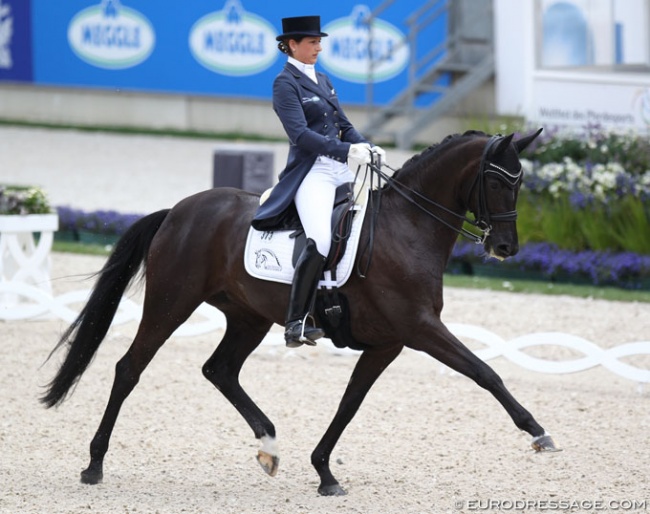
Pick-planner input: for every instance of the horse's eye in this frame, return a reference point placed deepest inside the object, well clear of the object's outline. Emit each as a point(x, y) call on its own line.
point(494, 185)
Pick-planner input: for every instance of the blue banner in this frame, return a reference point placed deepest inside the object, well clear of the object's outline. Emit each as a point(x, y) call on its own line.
point(15, 40)
point(215, 47)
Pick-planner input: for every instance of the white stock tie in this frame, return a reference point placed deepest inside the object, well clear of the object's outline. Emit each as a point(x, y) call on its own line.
point(309, 70)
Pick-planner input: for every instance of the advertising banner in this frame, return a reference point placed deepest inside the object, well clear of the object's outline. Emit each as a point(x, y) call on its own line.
point(591, 102)
point(15, 40)
point(216, 47)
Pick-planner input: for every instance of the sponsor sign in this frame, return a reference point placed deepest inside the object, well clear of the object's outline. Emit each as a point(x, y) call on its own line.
point(15, 40)
point(612, 105)
point(111, 36)
point(358, 54)
point(641, 105)
point(221, 48)
point(233, 41)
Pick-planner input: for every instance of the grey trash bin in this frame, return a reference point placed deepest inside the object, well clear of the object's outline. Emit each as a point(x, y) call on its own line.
point(250, 170)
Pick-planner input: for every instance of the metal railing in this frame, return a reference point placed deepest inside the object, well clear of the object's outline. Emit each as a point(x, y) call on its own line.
point(465, 60)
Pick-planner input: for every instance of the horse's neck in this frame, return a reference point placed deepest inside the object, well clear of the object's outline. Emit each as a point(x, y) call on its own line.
point(444, 179)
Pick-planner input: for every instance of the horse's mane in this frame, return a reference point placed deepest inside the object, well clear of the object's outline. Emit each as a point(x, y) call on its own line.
point(419, 160)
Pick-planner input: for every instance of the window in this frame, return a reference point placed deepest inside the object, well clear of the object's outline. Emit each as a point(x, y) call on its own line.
point(593, 34)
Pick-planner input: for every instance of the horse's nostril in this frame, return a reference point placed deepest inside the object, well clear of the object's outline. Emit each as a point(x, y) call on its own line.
point(507, 250)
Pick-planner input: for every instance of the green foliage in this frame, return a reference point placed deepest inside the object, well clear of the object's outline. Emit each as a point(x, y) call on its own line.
point(501, 125)
point(79, 248)
point(631, 151)
point(619, 226)
point(23, 200)
point(589, 192)
point(630, 225)
point(546, 287)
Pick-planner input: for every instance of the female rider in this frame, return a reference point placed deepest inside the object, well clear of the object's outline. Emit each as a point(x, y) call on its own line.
point(322, 139)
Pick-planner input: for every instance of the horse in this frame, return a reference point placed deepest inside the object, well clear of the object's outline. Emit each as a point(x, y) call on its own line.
point(414, 219)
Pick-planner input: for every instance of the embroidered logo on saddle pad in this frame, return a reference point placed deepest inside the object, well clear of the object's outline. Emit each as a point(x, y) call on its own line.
point(269, 254)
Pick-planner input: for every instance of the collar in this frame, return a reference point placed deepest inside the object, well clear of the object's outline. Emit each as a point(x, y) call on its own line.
point(307, 69)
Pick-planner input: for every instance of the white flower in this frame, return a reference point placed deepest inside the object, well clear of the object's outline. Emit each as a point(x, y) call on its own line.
point(527, 166)
point(555, 189)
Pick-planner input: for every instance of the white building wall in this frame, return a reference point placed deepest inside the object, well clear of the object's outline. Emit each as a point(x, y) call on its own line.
point(602, 91)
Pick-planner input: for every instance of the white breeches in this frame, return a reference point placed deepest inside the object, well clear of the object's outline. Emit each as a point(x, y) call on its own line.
point(315, 199)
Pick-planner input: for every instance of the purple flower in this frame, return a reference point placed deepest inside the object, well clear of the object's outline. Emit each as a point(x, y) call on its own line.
point(622, 269)
point(100, 222)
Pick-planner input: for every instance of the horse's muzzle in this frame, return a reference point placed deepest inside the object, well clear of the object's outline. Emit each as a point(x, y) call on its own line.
point(501, 249)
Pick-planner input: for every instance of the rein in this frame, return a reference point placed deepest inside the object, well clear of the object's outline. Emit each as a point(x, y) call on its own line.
point(482, 218)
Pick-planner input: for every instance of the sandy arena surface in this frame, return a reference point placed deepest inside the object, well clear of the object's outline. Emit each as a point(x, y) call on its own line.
point(424, 441)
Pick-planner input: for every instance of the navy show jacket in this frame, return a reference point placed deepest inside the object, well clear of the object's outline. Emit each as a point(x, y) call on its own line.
point(316, 125)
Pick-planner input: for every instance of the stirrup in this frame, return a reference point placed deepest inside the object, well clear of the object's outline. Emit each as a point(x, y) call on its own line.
point(307, 333)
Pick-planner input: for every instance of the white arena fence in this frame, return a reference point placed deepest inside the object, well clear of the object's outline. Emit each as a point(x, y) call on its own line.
point(30, 302)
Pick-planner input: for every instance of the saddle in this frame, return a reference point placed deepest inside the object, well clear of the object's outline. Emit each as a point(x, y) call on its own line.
point(271, 254)
point(342, 218)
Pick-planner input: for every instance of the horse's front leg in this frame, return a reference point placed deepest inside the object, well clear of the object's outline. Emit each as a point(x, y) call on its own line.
point(242, 336)
point(445, 347)
point(371, 364)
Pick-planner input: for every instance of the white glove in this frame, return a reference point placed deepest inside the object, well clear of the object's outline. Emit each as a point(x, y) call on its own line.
point(379, 155)
point(359, 154)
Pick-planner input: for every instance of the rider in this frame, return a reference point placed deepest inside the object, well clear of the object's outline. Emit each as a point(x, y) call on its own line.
point(322, 139)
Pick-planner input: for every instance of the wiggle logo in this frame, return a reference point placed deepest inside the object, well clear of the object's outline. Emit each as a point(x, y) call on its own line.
point(111, 36)
point(233, 41)
point(355, 53)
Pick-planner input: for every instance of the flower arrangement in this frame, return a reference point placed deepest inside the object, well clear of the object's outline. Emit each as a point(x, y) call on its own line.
point(588, 192)
point(597, 166)
point(106, 222)
point(623, 269)
point(23, 200)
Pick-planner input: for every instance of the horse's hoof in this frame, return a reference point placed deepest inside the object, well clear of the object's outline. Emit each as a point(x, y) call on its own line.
point(544, 443)
point(268, 462)
point(91, 477)
point(332, 490)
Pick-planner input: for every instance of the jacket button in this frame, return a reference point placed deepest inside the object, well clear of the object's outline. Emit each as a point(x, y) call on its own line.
point(325, 126)
point(325, 115)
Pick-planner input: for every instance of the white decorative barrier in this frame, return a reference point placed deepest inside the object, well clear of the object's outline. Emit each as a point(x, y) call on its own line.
point(594, 354)
point(207, 319)
point(22, 260)
point(42, 304)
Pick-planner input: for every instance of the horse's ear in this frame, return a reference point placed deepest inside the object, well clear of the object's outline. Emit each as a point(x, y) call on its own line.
point(503, 144)
point(522, 144)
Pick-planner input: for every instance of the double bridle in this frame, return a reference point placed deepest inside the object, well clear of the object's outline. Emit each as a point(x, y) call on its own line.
point(483, 218)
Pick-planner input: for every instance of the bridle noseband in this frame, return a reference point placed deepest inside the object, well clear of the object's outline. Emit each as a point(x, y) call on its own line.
point(483, 216)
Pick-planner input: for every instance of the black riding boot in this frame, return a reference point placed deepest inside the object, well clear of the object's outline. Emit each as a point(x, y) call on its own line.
point(309, 269)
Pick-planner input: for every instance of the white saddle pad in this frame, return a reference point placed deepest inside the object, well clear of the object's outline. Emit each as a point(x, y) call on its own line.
point(268, 255)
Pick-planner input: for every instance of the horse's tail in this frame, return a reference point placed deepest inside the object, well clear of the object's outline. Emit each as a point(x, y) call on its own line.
point(86, 333)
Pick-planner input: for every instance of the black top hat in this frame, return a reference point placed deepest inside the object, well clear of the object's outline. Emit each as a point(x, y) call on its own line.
point(301, 26)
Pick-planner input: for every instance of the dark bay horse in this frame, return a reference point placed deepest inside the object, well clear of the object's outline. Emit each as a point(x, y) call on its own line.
point(193, 253)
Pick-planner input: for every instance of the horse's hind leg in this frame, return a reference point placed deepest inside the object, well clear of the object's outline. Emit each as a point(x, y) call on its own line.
point(451, 352)
point(148, 340)
point(370, 366)
point(243, 335)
